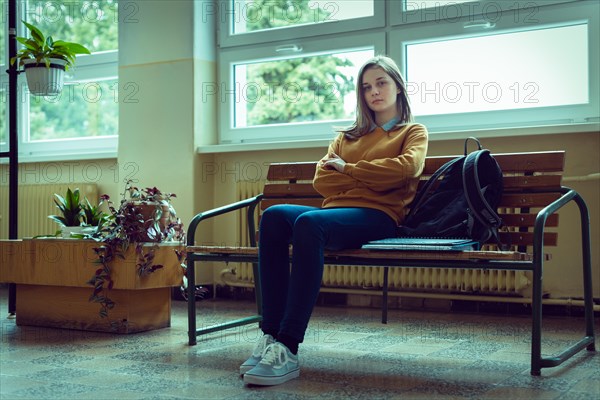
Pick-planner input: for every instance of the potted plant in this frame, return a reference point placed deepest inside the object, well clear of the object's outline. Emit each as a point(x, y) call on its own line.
point(71, 213)
point(78, 218)
point(93, 216)
point(143, 218)
point(46, 60)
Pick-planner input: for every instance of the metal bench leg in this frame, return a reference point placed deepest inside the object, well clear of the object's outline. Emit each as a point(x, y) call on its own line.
point(193, 331)
point(587, 342)
point(536, 329)
point(384, 305)
point(586, 252)
point(12, 299)
point(257, 288)
point(191, 294)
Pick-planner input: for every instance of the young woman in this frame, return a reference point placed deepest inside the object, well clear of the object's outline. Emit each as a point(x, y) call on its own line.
point(367, 178)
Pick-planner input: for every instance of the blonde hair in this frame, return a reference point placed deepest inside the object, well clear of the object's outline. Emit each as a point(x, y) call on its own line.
point(365, 117)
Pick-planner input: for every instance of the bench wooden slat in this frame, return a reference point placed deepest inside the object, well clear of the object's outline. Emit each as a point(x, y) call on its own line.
point(292, 171)
point(438, 255)
point(523, 182)
point(370, 254)
point(526, 238)
point(312, 202)
point(520, 200)
point(526, 220)
point(524, 163)
point(290, 189)
point(511, 183)
point(545, 182)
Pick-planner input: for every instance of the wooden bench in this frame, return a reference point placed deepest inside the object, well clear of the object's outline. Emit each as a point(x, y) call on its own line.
point(532, 195)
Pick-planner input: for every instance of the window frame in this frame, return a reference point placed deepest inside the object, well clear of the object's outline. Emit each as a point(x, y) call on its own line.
point(100, 66)
point(97, 66)
point(298, 131)
point(526, 117)
point(293, 33)
point(482, 10)
point(256, 47)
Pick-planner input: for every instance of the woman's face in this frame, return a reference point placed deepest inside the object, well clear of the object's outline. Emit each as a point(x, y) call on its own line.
point(380, 93)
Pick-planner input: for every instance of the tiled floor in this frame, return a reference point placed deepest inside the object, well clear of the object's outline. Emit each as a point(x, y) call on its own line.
point(347, 354)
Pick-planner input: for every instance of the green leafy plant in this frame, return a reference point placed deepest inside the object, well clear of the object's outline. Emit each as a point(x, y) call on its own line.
point(75, 212)
point(93, 215)
point(42, 48)
point(70, 208)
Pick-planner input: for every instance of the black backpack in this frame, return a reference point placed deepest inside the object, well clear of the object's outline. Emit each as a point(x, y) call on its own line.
point(463, 204)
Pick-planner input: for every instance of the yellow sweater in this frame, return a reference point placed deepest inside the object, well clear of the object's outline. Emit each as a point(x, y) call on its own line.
point(382, 170)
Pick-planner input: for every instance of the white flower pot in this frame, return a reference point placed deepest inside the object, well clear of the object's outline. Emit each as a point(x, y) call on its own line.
point(66, 231)
point(44, 81)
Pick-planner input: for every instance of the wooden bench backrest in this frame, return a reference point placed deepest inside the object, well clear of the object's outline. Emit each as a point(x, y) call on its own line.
point(531, 181)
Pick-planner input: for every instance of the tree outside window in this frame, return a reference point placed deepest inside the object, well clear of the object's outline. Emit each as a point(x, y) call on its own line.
point(84, 108)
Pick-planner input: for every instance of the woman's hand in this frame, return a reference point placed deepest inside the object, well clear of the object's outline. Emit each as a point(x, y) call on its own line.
point(334, 162)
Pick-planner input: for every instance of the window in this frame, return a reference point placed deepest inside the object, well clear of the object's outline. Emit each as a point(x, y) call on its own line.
point(499, 72)
point(82, 121)
point(251, 21)
point(468, 64)
point(299, 80)
point(449, 11)
point(513, 73)
point(3, 79)
point(254, 16)
point(313, 87)
point(289, 91)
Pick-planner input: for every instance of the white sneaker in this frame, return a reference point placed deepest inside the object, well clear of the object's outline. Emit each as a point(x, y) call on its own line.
point(278, 365)
point(257, 353)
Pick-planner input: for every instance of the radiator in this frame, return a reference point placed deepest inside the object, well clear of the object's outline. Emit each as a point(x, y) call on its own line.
point(407, 279)
point(36, 203)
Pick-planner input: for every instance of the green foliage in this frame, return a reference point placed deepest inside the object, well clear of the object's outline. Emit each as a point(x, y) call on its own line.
point(3, 49)
point(75, 212)
point(319, 81)
point(92, 215)
point(127, 224)
point(42, 48)
point(93, 106)
point(280, 14)
point(94, 24)
point(70, 208)
point(93, 111)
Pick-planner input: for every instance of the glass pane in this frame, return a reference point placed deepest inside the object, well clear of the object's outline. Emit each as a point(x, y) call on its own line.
point(410, 5)
point(499, 72)
point(318, 88)
point(3, 28)
point(258, 15)
point(83, 109)
point(91, 23)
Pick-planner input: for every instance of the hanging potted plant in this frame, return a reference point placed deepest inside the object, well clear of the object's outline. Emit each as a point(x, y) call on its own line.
point(45, 61)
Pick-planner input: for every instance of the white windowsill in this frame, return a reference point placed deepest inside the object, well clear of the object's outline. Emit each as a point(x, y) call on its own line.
point(435, 136)
point(63, 157)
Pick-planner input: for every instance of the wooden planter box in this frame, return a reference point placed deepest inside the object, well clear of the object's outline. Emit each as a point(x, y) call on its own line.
point(52, 290)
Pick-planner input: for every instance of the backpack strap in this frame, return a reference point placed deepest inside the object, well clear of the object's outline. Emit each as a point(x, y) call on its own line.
point(478, 204)
point(476, 141)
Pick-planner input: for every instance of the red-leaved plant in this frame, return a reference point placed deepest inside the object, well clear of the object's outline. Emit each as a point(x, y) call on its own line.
point(142, 216)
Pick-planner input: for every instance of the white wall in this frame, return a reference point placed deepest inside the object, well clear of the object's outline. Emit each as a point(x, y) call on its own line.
point(156, 123)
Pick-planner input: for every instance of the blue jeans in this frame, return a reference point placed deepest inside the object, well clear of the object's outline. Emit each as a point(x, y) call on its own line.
point(289, 296)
